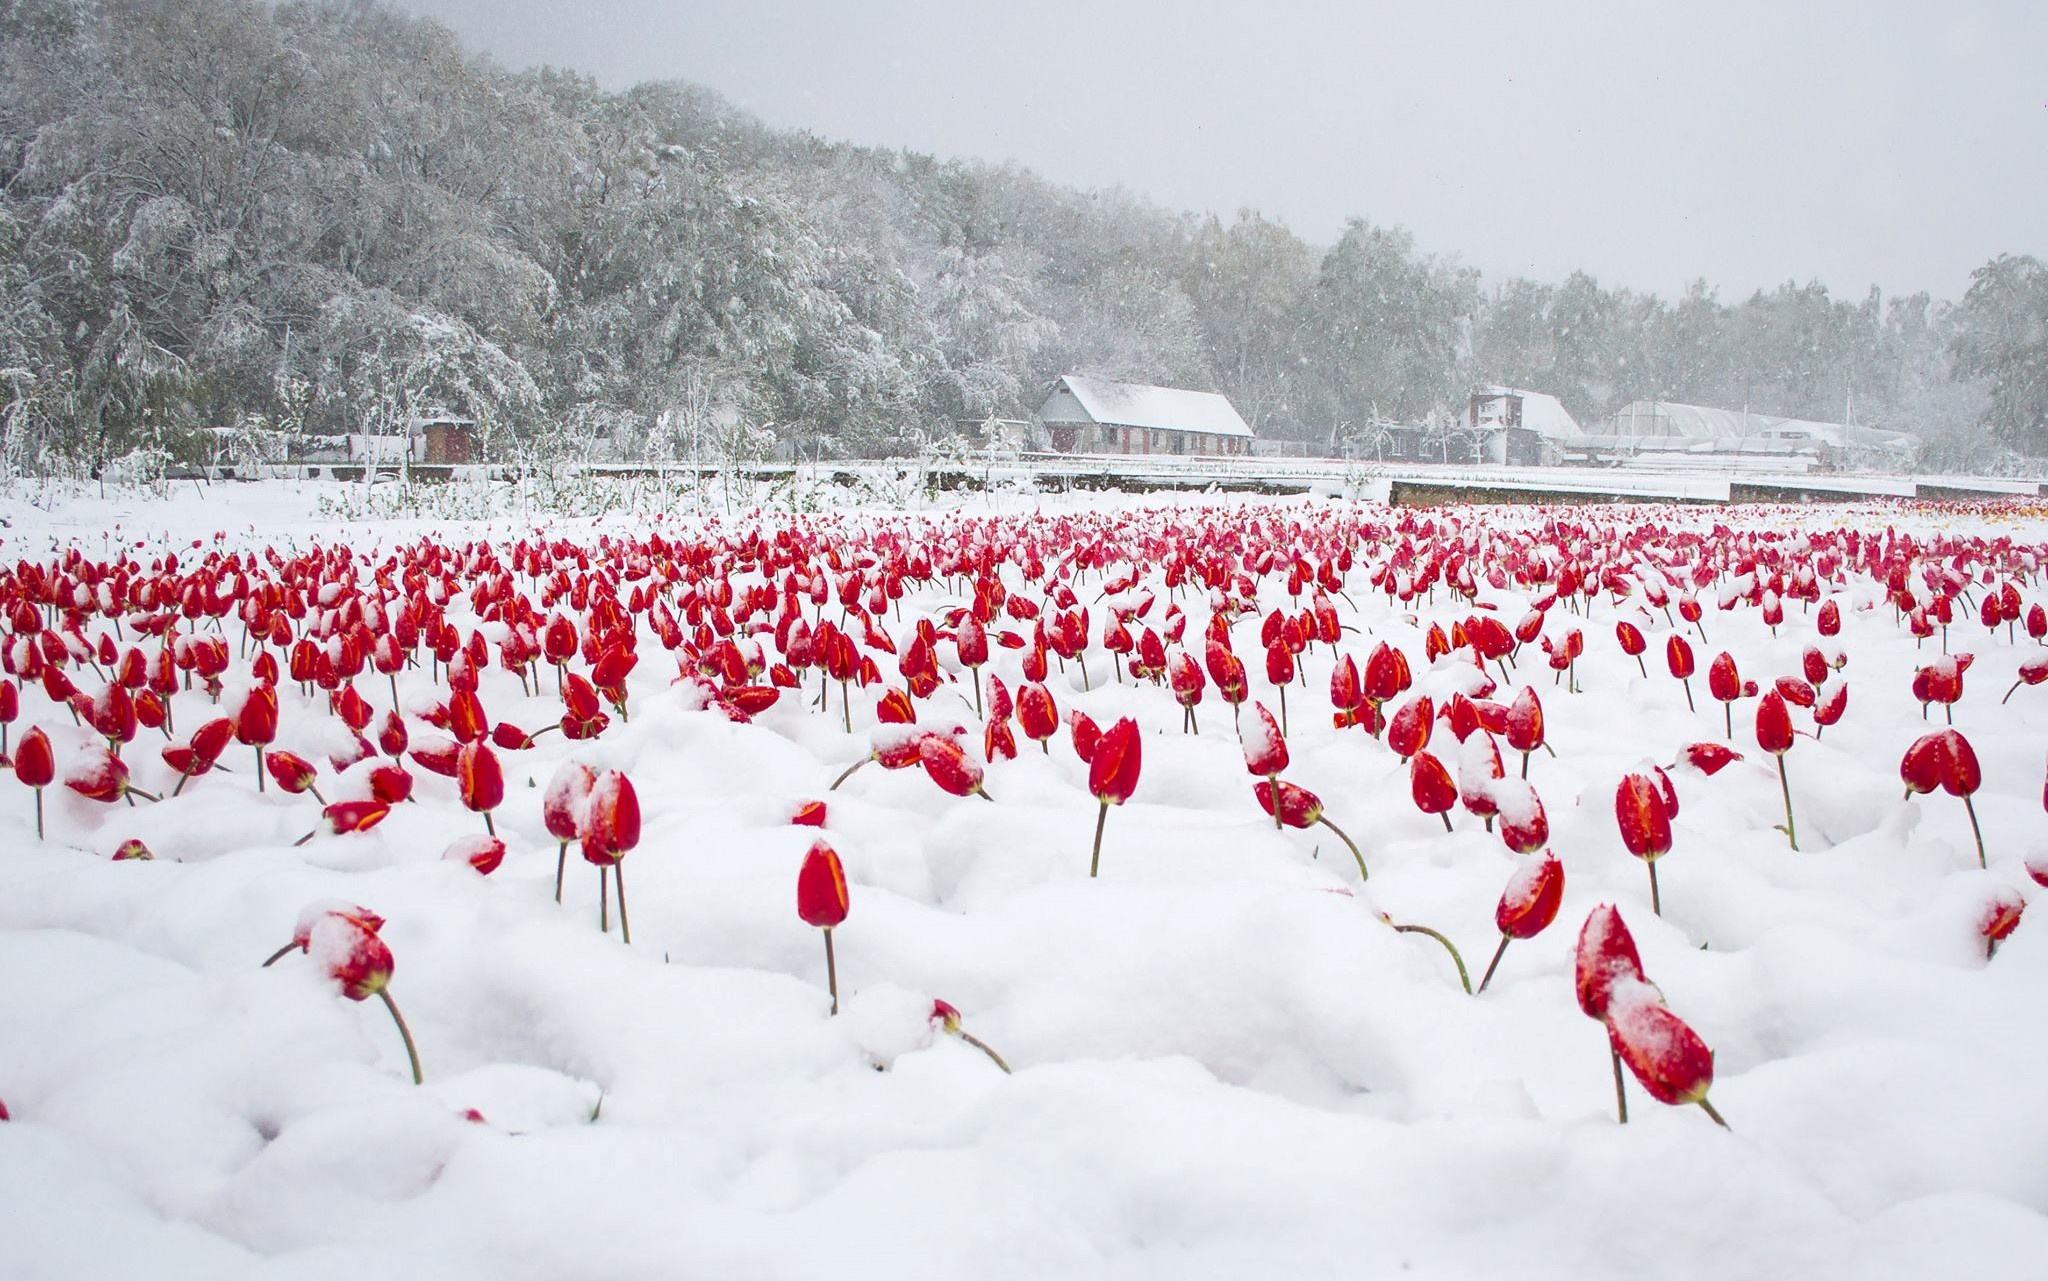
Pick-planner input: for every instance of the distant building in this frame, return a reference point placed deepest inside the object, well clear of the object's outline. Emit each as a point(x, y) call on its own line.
point(431, 438)
point(1092, 416)
point(1509, 425)
point(1668, 430)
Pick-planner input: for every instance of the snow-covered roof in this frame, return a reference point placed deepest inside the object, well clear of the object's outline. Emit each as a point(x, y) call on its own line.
point(1093, 400)
point(1542, 412)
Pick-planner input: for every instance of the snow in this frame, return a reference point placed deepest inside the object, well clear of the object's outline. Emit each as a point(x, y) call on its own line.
point(1225, 1066)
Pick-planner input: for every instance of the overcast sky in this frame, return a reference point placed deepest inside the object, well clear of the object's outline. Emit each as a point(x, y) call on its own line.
point(1862, 144)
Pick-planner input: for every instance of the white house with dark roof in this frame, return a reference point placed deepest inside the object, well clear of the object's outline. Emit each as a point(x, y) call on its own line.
point(1094, 416)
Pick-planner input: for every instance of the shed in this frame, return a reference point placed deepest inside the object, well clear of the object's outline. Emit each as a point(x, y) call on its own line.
point(1094, 416)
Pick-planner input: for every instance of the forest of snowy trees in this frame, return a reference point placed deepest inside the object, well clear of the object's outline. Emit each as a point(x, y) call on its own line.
point(329, 217)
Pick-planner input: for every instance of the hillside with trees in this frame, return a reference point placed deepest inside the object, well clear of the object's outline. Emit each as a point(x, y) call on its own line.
point(316, 218)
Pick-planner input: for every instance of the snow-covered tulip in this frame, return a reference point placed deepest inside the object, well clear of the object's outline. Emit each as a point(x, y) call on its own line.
point(1645, 822)
point(1524, 727)
point(1429, 784)
point(1037, 715)
point(1829, 707)
point(1409, 728)
point(611, 830)
point(1265, 746)
point(361, 962)
point(1708, 758)
point(1606, 955)
point(2001, 917)
point(483, 853)
point(480, 781)
point(132, 850)
point(1774, 735)
point(1668, 1058)
point(1184, 677)
point(99, 775)
point(563, 809)
point(1524, 826)
point(808, 814)
point(949, 765)
point(2033, 671)
point(1527, 906)
point(343, 817)
point(36, 765)
point(821, 902)
point(1298, 807)
point(947, 1019)
point(1113, 776)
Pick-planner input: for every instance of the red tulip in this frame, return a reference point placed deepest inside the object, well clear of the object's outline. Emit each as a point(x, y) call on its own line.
point(36, 765)
point(360, 961)
point(480, 781)
point(611, 828)
point(1037, 715)
point(99, 775)
point(294, 773)
point(1645, 823)
point(949, 765)
point(809, 814)
point(256, 724)
point(1814, 665)
point(1606, 953)
point(948, 1020)
point(1527, 906)
point(1632, 643)
point(1708, 758)
point(1668, 1058)
point(2033, 671)
point(391, 739)
point(1524, 827)
point(343, 817)
point(1291, 805)
point(1830, 707)
point(1408, 729)
point(484, 853)
point(1795, 691)
point(1829, 621)
point(2001, 917)
point(1921, 765)
point(1678, 657)
point(1524, 726)
point(132, 850)
point(1299, 807)
point(1265, 747)
point(1429, 783)
point(390, 784)
point(821, 901)
point(1114, 764)
point(1184, 677)
point(1725, 684)
point(565, 810)
point(1113, 776)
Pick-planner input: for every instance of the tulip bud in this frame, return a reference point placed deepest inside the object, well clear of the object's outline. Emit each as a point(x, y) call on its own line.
point(484, 853)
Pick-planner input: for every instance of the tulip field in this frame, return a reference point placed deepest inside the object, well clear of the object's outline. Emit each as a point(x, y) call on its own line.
point(1062, 887)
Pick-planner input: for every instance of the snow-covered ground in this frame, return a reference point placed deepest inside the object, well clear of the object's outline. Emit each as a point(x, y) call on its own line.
point(1226, 1065)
